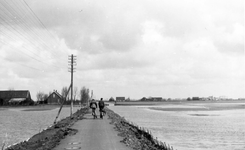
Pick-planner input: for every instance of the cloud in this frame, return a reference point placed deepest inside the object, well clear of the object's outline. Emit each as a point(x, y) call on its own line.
point(231, 41)
point(113, 31)
point(135, 48)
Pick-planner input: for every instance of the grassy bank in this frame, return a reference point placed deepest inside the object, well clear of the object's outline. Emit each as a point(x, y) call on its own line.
point(135, 136)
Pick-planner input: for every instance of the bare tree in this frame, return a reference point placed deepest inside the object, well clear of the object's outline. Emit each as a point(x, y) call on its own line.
point(11, 94)
point(84, 95)
point(64, 91)
point(111, 99)
point(40, 97)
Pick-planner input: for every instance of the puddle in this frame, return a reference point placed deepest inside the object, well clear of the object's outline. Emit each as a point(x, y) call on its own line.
point(73, 148)
point(202, 115)
point(74, 143)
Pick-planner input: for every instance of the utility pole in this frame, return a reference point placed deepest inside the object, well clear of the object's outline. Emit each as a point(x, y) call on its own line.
point(72, 63)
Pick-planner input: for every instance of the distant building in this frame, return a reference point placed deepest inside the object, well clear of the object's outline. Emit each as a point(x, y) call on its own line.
point(54, 98)
point(152, 99)
point(120, 98)
point(15, 97)
point(157, 98)
point(196, 98)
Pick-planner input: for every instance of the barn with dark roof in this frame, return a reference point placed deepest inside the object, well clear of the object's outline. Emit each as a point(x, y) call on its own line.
point(15, 97)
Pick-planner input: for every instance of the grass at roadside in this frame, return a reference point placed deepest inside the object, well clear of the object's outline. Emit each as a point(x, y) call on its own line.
point(134, 136)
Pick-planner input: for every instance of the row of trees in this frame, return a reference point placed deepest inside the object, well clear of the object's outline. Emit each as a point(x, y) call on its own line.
point(42, 97)
point(81, 96)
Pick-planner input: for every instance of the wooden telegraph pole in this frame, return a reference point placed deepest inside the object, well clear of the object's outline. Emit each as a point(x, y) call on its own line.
point(72, 63)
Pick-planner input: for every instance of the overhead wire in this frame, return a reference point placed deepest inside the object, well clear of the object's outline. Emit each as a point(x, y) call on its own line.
point(16, 14)
point(20, 63)
point(19, 34)
point(14, 38)
point(40, 21)
point(13, 13)
point(32, 21)
point(26, 54)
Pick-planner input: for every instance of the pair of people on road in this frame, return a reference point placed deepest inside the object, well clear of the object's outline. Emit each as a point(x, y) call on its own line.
point(93, 106)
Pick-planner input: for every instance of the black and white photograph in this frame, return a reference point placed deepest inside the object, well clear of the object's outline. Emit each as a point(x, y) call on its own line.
point(122, 74)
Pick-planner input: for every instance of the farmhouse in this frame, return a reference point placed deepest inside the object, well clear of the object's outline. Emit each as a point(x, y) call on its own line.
point(155, 99)
point(15, 97)
point(151, 99)
point(196, 98)
point(54, 98)
point(120, 98)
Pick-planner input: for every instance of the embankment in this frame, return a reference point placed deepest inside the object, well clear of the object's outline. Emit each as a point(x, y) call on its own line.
point(49, 138)
point(135, 136)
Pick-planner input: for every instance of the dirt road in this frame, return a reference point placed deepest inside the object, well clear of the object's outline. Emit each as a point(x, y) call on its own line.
point(93, 134)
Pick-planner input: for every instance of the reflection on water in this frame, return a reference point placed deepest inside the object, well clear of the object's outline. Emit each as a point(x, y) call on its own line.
point(191, 130)
point(17, 125)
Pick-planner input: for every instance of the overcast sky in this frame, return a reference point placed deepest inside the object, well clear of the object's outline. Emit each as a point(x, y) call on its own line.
point(130, 48)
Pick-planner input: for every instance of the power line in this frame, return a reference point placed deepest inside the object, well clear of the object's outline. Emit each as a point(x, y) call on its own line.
point(24, 34)
point(26, 54)
point(19, 6)
point(26, 49)
point(25, 65)
point(39, 20)
point(23, 25)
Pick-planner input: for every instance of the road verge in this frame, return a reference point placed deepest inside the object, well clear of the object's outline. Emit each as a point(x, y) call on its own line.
point(134, 136)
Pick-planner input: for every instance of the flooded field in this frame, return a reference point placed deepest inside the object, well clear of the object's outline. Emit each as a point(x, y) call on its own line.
point(18, 124)
point(192, 126)
point(185, 126)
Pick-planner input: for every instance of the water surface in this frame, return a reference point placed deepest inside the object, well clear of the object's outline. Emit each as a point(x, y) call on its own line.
point(191, 129)
point(17, 124)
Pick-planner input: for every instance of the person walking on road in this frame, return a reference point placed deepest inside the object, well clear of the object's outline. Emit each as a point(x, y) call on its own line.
point(101, 107)
point(93, 106)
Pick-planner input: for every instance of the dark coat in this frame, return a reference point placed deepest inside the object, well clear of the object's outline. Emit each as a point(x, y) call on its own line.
point(101, 104)
point(92, 104)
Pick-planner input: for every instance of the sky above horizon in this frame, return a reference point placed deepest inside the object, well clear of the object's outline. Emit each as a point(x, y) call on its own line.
point(130, 48)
